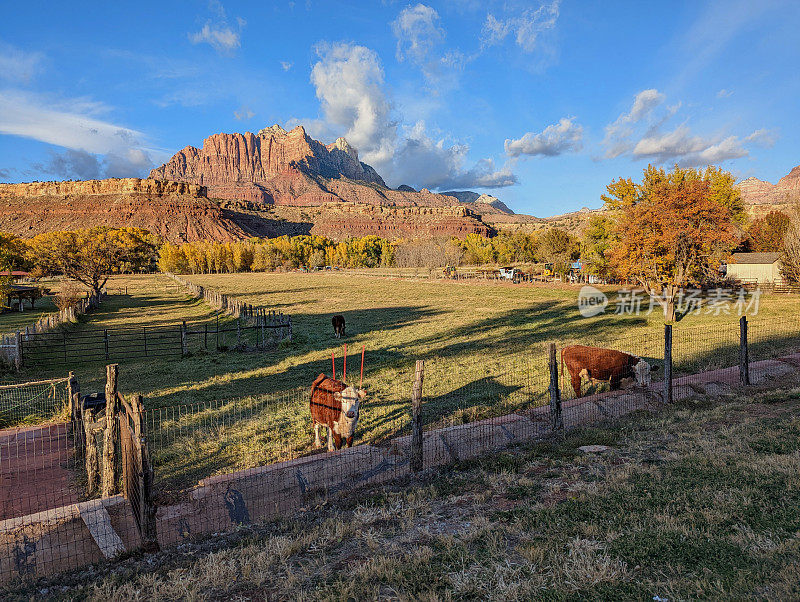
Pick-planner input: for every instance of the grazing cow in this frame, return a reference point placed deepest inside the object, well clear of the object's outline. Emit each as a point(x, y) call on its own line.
point(335, 405)
point(338, 326)
point(604, 365)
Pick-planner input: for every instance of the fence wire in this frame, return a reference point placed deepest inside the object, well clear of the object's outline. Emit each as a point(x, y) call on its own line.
point(223, 463)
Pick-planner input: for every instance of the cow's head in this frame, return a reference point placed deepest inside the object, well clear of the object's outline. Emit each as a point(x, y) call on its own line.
point(642, 371)
point(350, 399)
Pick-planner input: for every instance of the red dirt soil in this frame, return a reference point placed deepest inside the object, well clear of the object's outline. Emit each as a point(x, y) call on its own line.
point(35, 472)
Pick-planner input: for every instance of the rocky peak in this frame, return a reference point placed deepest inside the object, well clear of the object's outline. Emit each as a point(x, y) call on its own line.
point(274, 131)
point(344, 146)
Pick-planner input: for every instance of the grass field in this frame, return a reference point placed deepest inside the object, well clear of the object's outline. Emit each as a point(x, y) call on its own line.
point(699, 501)
point(483, 343)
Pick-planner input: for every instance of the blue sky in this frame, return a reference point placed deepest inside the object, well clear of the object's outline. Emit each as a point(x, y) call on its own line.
point(539, 104)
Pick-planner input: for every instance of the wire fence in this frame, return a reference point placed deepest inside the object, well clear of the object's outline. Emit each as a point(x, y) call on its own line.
point(117, 344)
point(223, 463)
point(32, 402)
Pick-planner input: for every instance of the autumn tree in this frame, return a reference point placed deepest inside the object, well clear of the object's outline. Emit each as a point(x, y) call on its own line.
point(596, 240)
point(767, 233)
point(90, 256)
point(558, 247)
point(674, 229)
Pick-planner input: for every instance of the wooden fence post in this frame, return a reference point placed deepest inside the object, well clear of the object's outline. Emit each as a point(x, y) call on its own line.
point(557, 420)
point(92, 462)
point(416, 417)
point(667, 363)
point(145, 477)
point(744, 358)
point(110, 461)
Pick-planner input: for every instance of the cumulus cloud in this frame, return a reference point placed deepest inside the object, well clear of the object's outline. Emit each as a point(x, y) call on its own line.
point(526, 28)
point(349, 83)
point(18, 66)
point(217, 33)
point(243, 114)
point(557, 139)
point(641, 134)
point(724, 93)
point(429, 163)
point(74, 124)
point(286, 65)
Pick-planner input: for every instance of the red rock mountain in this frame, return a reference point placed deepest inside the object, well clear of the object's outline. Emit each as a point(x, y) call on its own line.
point(759, 192)
point(287, 168)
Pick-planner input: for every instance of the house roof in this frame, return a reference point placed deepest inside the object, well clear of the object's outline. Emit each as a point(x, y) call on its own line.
point(767, 258)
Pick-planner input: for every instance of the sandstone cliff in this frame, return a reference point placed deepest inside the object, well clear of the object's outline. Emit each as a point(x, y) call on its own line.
point(759, 192)
point(175, 211)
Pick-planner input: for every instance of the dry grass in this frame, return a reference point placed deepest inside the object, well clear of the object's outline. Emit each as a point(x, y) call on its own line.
point(483, 344)
point(699, 501)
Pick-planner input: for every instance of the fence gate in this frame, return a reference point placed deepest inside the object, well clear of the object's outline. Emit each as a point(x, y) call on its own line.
point(137, 475)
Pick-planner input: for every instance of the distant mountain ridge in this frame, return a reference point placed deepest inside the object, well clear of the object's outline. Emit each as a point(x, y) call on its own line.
point(761, 192)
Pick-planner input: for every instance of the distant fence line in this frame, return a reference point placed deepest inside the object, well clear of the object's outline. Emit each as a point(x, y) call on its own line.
point(252, 314)
point(11, 344)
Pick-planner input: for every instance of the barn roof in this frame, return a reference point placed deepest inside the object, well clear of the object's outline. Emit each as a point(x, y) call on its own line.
point(764, 258)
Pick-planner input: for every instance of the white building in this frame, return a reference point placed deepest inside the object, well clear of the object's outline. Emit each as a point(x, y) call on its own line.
point(756, 268)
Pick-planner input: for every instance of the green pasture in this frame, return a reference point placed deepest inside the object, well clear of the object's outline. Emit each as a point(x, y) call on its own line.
point(484, 346)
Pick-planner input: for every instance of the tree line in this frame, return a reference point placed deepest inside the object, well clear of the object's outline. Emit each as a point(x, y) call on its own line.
point(672, 229)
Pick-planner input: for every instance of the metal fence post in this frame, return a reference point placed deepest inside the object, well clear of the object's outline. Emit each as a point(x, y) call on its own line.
point(110, 468)
point(744, 358)
point(555, 392)
point(416, 417)
point(105, 339)
point(18, 348)
point(184, 341)
point(667, 363)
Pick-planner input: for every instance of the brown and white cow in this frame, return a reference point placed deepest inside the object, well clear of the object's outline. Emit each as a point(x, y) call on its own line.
point(336, 406)
point(601, 364)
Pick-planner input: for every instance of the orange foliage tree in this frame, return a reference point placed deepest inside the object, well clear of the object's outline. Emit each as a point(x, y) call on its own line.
point(673, 230)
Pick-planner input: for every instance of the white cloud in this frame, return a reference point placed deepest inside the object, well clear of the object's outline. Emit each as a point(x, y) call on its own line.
point(564, 136)
point(286, 65)
point(243, 114)
point(724, 93)
point(74, 124)
point(420, 40)
point(526, 28)
point(763, 137)
point(218, 33)
point(417, 31)
point(640, 134)
point(427, 163)
point(618, 133)
point(18, 66)
point(349, 83)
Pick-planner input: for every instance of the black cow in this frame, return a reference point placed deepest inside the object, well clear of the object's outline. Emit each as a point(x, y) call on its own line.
point(338, 326)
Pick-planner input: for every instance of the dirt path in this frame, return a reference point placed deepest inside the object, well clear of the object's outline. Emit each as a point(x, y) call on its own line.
point(36, 469)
